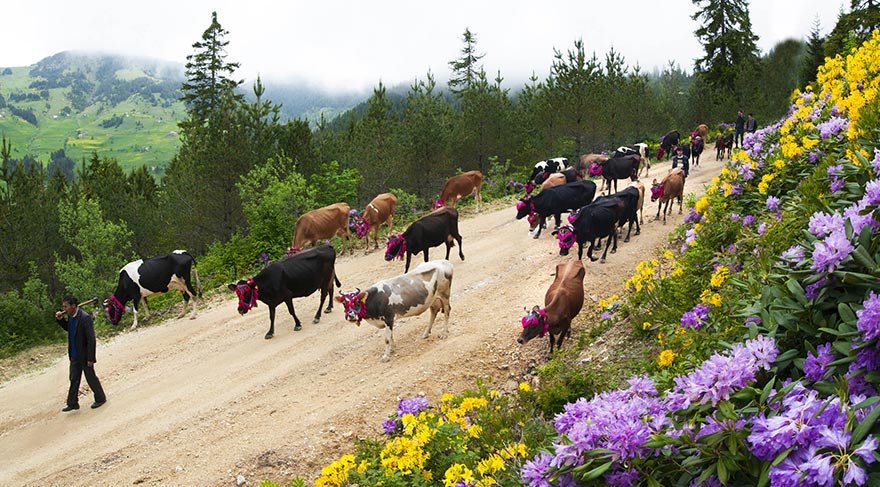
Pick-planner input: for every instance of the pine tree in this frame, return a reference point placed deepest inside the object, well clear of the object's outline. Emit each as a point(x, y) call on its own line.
point(727, 38)
point(208, 74)
point(853, 28)
point(815, 55)
point(465, 71)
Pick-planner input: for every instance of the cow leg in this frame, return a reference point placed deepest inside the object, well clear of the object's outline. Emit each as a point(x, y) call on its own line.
point(590, 252)
point(628, 231)
point(680, 200)
point(581, 251)
point(297, 324)
point(185, 304)
point(389, 339)
point(271, 332)
point(330, 293)
point(146, 308)
point(317, 317)
point(552, 340)
point(598, 244)
point(638, 227)
point(436, 307)
point(408, 257)
point(134, 312)
point(558, 218)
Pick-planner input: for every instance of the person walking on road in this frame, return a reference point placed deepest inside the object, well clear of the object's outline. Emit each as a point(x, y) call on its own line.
point(81, 351)
point(739, 128)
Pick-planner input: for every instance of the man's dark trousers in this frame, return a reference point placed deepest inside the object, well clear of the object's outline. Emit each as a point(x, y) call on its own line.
point(77, 369)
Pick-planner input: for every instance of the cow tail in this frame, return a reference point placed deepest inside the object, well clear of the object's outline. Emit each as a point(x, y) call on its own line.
point(336, 278)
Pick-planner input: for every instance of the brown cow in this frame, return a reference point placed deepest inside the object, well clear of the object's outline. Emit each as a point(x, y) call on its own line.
point(667, 190)
point(563, 301)
point(458, 187)
point(555, 179)
point(702, 130)
point(588, 159)
point(321, 224)
point(377, 212)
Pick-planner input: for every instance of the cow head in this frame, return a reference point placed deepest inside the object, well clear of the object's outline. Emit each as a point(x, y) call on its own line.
point(438, 204)
point(567, 238)
point(396, 247)
point(656, 190)
point(523, 207)
point(361, 228)
point(660, 153)
point(534, 325)
point(354, 304)
point(595, 169)
point(114, 309)
point(247, 295)
point(534, 220)
point(530, 186)
point(542, 176)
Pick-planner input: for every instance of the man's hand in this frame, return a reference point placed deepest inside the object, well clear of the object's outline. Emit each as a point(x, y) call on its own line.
point(59, 315)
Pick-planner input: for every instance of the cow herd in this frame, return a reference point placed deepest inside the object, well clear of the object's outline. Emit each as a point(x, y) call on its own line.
point(311, 265)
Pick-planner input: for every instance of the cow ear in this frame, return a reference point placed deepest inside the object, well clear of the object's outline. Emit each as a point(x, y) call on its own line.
point(362, 295)
point(339, 298)
point(231, 287)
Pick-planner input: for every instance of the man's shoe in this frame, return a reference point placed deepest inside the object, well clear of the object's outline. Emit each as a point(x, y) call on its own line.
point(97, 404)
point(69, 408)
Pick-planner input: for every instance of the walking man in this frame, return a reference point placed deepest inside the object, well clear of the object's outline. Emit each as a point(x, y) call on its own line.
point(739, 128)
point(81, 351)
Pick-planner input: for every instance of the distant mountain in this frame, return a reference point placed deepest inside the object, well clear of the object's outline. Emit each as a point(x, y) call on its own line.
point(125, 108)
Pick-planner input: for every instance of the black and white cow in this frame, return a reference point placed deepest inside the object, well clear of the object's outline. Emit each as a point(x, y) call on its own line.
point(142, 278)
point(544, 169)
point(428, 286)
point(554, 201)
point(294, 277)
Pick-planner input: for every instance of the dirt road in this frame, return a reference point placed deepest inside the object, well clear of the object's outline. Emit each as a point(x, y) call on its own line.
point(200, 402)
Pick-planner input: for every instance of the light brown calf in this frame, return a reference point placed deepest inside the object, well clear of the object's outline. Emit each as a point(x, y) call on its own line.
point(459, 186)
point(639, 206)
point(667, 190)
point(703, 131)
point(377, 212)
point(555, 179)
point(563, 301)
point(322, 224)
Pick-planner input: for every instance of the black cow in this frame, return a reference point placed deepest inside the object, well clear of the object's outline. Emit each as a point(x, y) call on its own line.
point(142, 278)
point(293, 277)
point(439, 226)
point(630, 197)
point(697, 146)
point(544, 169)
point(554, 201)
point(595, 221)
point(620, 168)
point(723, 144)
point(667, 142)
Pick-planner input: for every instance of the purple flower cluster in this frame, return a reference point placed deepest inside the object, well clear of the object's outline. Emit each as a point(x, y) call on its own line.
point(815, 429)
point(748, 220)
point(619, 421)
point(762, 228)
point(772, 203)
point(837, 183)
point(413, 405)
point(696, 317)
point(814, 156)
point(834, 247)
point(832, 127)
point(812, 290)
point(816, 365)
point(875, 163)
point(753, 321)
point(869, 317)
point(723, 374)
point(693, 217)
point(753, 142)
point(390, 426)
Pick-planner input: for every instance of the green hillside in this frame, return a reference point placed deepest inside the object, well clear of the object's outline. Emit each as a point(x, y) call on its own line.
point(125, 109)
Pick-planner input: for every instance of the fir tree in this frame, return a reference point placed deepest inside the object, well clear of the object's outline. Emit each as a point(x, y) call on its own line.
point(815, 56)
point(208, 74)
point(465, 71)
point(727, 38)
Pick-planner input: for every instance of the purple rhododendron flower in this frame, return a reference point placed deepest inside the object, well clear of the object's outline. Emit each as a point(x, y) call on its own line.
point(622, 478)
point(822, 224)
point(693, 216)
point(748, 220)
point(696, 317)
point(389, 426)
point(837, 184)
point(812, 290)
point(734, 217)
point(872, 192)
point(762, 228)
point(605, 315)
point(869, 317)
point(772, 203)
point(832, 127)
point(795, 254)
point(829, 253)
point(853, 213)
point(753, 321)
point(816, 365)
point(835, 169)
point(413, 405)
point(535, 471)
point(875, 163)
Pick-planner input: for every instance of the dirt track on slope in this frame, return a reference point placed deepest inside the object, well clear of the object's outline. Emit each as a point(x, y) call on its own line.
point(200, 402)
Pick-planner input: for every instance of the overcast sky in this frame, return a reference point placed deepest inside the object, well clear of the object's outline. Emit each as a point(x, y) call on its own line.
point(352, 45)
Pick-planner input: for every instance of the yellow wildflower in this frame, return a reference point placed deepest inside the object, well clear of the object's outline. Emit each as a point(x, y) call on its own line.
point(335, 474)
point(525, 387)
point(646, 325)
point(456, 473)
point(719, 276)
point(666, 358)
point(702, 205)
point(779, 164)
point(668, 254)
